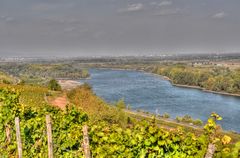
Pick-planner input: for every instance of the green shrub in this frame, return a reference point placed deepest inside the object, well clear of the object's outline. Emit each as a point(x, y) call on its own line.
point(121, 104)
point(54, 85)
point(198, 122)
point(166, 115)
point(178, 119)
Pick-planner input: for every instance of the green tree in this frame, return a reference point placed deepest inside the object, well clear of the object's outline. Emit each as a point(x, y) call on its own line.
point(121, 104)
point(54, 85)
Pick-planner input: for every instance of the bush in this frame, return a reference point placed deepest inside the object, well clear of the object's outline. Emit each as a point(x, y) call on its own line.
point(178, 119)
point(6, 81)
point(53, 85)
point(121, 104)
point(198, 122)
point(166, 115)
point(187, 119)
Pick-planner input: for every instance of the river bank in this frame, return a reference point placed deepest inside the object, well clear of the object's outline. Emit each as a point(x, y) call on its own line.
point(197, 87)
point(205, 90)
point(194, 87)
point(67, 84)
point(177, 85)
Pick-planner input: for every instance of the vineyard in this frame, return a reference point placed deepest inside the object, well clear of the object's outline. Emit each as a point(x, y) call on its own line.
point(108, 138)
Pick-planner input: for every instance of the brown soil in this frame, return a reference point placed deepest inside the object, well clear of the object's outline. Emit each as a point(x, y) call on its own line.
point(60, 101)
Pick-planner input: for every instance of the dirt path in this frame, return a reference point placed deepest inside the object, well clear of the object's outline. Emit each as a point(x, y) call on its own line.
point(60, 101)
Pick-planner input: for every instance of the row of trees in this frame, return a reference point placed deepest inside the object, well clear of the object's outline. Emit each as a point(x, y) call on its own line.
point(216, 79)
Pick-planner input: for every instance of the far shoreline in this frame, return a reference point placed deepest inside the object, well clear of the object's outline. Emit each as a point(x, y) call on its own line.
point(206, 90)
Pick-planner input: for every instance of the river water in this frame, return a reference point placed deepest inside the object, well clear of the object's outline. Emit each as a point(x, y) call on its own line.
point(152, 93)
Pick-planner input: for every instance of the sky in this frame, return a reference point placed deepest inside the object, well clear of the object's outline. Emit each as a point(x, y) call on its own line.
point(118, 27)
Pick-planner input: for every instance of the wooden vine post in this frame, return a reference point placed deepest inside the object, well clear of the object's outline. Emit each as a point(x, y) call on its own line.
point(49, 136)
point(86, 146)
point(8, 133)
point(210, 151)
point(18, 134)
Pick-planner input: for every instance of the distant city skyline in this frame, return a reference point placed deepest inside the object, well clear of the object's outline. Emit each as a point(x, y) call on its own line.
point(118, 27)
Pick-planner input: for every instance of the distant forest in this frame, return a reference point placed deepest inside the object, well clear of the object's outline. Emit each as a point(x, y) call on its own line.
point(42, 73)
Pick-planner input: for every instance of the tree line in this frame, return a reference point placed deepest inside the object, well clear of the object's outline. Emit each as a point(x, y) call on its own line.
point(218, 79)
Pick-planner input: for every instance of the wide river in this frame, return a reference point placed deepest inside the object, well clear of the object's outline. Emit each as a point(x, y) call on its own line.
point(154, 94)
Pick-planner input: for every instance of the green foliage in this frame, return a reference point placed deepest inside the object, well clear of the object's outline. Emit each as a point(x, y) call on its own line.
point(33, 96)
point(54, 85)
point(40, 74)
point(166, 115)
point(189, 119)
point(97, 109)
point(121, 104)
point(198, 122)
point(108, 138)
point(216, 79)
point(84, 73)
point(211, 127)
point(144, 140)
point(67, 135)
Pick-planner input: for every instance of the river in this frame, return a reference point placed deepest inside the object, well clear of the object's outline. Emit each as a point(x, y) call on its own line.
point(152, 93)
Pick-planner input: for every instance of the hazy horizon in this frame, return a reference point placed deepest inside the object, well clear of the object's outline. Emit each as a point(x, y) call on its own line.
point(118, 27)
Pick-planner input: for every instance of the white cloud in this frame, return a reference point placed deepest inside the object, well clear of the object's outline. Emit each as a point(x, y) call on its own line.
point(219, 15)
point(165, 3)
point(133, 7)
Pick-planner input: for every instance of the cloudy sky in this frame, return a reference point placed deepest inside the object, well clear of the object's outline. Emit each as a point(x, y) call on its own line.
point(118, 27)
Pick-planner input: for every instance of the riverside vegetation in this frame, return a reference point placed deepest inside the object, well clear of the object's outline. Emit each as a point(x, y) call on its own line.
point(218, 79)
point(112, 132)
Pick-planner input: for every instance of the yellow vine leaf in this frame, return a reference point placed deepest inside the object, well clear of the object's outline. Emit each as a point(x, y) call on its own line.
point(226, 139)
